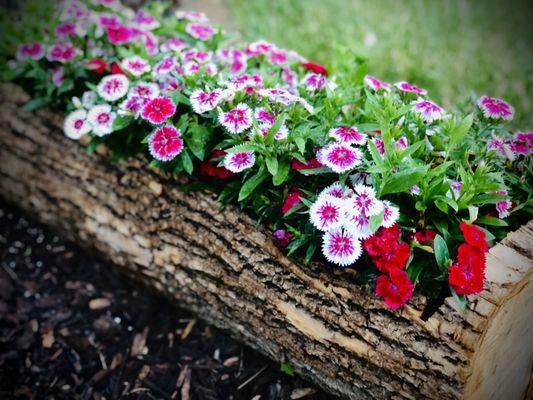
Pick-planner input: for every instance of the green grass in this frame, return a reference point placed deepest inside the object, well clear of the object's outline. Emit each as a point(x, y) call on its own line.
point(451, 47)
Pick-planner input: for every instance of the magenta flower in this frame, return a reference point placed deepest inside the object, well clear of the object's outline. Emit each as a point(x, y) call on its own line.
point(145, 21)
point(263, 116)
point(66, 30)
point(133, 104)
point(408, 88)
point(504, 148)
point(238, 162)
point(146, 90)
point(119, 34)
point(174, 44)
point(165, 143)
point(158, 110)
point(201, 32)
point(164, 67)
point(327, 212)
point(380, 145)
point(523, 143)
point(503, 207)
point(375, 84)
point(401, 143)
point(258, 48)
point(58, 76)
point(314, 82)
point(339, 157)
point(236, 120)
point(135, 65)
point(341, 247)
point(282, 238)
point(495, 108)
point(348, 135)
point(428, 111)
point(278, 56)
point(337, 190)
point(62, 52)
point(113, 87)
point(202, 102)
point(34, 51)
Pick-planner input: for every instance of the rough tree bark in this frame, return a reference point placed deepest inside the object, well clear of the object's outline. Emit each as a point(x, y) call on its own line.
point(225, 268)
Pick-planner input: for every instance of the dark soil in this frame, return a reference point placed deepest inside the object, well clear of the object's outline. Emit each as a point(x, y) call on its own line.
point(72, 326)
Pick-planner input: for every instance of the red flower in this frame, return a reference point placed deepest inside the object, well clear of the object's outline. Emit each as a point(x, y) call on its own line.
point(158, 110)
point(380, 243)
point(474, 236)
point(282, 238)
point(115, 69)
point(209, 167)
point(311, 164)
point(386, 252)
point(395, 289)
point(291, 201)
point(316, 68)
point(468, 273)
point(96, 65)
point(425, 236)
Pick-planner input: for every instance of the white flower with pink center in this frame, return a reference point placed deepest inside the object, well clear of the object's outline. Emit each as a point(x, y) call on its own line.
point(495, 108)
point(146, 90)
point(365, 201)
point(337, 190)
point(174, 44)
point(401, 143)
point(408, 88)
point(101, 118)
point(238, 162)
point(290, 77)
point(278, 56)
point(375, 84)
point(340, 157)
point(194, 16)
point(428, 110)
point(380, 146)
point(191, 68)
point(34, 51)
point(314, 82)
point(341, 247)
point(327, 213)
point(390, 214)
point(165, 143)
point(211, 69)
point(202, 102)
point(522, 143)
point(133, 105)
point(282, 133)
point(201, 32)
point(258, 48)
point(113, 87)
point(236, 120)
point(263, 116)
point(135, 66)
point(145, 21)
point(62, 52)
point(503, 207)
point(347, 135)
point(504, 148)
point(358, 225)
point(76, 124)
point(278, 96)
point(164, 67)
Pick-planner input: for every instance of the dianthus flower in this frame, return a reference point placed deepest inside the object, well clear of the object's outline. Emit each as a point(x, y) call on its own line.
point(101, 118)
point(76, 124)
point(395, 289)
point(113, 87)
point(202, 102)
point(327, 213)
point(165, 143)
point(341, 247)
point(408, 88)
point(339, 157)
point(35, 51)
point(236, 120)
point(135, 65)
point(495, 108)
point(238, 162)
point(200, 31)
point(158, 110)
point(375, 84)
point(347, 135)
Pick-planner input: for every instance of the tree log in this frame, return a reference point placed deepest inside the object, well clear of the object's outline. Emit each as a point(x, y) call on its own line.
point(225, 268)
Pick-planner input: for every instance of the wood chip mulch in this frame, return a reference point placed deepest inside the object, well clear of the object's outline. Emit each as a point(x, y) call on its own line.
point(73, 327)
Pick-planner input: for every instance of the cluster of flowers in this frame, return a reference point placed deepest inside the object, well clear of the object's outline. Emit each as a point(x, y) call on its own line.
point(267, 110)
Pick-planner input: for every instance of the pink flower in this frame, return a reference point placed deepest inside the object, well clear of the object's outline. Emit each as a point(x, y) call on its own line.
point(258, 48)
point(341, 247)
point(35, 51)
point(238, 162)
point(390, 214)
point(495, 108)
point(327, 213)
point(113, 87)
point(165, 143)
point(503, 207)
point(337, 190)
point(375, 84)
point(380, 145)
point(119, 34)
point(236, 120)
point(158, 110)
point(58, 76)
point(202, 102)
point(414, 190)
point(365, 201)
point(62, 52)
point(135, 65)
point(164, 67)
point(278, 56)
point(281, 134)
point(314, 82)
point(348, 135)
point(278, 96)
point(358, 225)
point(66, 30)
point(201, 32)
point(174, 44)
point(191, 16)
point(401, 143)
point(523, 143)
point(339, 157)
point(407, 87)
point(191, 68)
point(145, 21)
point(133, 104)
point(145, 90)
point(504, 148)
point(282, 238)
point(101, 118)
point(76, 124)
point(428, 111)
point(289, 77)
point(262, 115)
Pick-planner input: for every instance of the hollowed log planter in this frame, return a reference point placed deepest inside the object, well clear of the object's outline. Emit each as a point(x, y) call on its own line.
point(225, 268)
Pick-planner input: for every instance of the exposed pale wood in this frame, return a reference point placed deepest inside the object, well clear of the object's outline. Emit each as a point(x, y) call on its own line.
point(225, 268)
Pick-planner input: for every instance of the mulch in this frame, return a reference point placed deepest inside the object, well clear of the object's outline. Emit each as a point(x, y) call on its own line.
point(73, 327)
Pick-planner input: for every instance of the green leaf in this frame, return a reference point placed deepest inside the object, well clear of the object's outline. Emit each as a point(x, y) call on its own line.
point(272, 165)
point(459, 299)
point(300, 143)
point(376, 220)
point(178, 97)
point(442, 255)
point(403, 180)
point(252, 183)
point(315, 171)
point(489, 198)
point(121, 123)
point(486, 220)
point(286, 368)
point(460, 131)
point(197, 138)
point(284, 167)
point(241, 148)
point(187, 162)
point(274, 129)
point(35, 104)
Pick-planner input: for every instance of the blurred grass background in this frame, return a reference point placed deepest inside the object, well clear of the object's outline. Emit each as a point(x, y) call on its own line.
point(453, 48)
